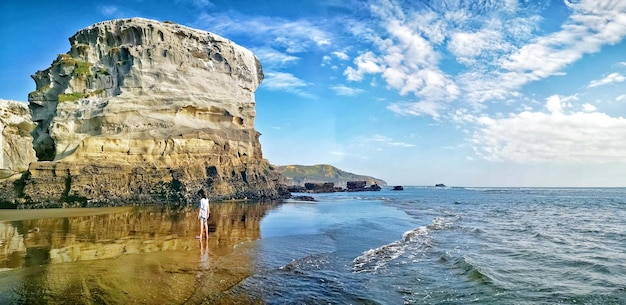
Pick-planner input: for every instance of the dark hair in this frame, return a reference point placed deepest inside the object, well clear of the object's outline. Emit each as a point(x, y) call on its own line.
point(201, 193)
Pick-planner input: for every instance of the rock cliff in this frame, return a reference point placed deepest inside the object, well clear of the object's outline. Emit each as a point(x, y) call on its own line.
point(140, 110)
point(15, 138)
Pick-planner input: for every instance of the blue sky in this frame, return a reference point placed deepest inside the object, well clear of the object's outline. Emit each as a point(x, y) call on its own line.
point(491, 93)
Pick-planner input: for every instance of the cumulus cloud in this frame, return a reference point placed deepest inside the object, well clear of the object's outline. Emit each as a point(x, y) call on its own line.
point(366, 63)
point(609, 79)
point(495, 41)
point(589, 108)
point(341, 55)
point(560, 136)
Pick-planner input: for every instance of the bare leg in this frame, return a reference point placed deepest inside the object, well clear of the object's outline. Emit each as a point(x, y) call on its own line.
point(201, 227)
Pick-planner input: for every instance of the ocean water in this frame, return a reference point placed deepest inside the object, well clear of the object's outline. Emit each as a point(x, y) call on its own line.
point(423, 245)
point(428, 245)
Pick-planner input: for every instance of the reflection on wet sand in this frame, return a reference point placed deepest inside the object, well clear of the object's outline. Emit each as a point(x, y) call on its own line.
point(147, 255)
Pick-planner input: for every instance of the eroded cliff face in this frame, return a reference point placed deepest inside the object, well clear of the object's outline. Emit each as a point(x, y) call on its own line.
point(15, 138)
point(140, 110)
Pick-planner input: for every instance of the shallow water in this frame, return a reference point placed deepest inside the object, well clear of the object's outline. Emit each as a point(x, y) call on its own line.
point(417, 246)
point(145, 255)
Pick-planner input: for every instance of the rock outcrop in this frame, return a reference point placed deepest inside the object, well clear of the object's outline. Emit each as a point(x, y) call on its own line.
point(144, 111)
point(299, 175)
point(15, 138)
point(329, 187)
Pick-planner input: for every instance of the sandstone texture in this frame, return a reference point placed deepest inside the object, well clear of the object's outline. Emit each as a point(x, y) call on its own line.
point(143, 111)
point(15, 138)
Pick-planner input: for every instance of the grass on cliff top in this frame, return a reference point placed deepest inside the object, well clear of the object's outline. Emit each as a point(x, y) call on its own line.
point(81, 68)
point(74, 96)
point(70, 97)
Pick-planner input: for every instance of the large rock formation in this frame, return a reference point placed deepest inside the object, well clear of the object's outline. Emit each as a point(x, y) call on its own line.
point(15, 138)
point(140, 110)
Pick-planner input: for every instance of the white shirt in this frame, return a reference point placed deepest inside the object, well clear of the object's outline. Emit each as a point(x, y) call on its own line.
point(204, 207)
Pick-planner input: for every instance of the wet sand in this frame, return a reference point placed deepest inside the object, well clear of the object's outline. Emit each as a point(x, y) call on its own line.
point(13, 215)
point(128, 255)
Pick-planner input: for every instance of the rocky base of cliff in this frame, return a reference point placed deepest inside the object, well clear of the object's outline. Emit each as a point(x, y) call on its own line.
point(62, 184)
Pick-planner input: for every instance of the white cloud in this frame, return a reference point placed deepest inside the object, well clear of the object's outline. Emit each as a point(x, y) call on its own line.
point(416, 108)
point(468, 47)
point(378, 142)
point(609, 79)
point(621, 97)
point(589, 108)
point(592, 25)
point(108, 10)
point(287, 82)
point(558, 104)
point(495, 40)
point(341, 55)
point(346, 91)
point(272, 58)
point(406, 60)
point(556, 137)
point(294, 36)
point(366, 63)
point(196, 3)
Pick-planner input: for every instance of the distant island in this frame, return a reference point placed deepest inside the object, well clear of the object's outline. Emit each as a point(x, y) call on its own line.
point(299, 175)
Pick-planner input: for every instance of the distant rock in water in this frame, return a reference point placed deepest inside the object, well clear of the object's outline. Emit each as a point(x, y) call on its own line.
point(329, 187)
point(143, 111)
point(440, 185)
point(398, 188)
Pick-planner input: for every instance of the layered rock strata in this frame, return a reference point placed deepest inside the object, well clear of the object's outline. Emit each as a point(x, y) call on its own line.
point(140, 110)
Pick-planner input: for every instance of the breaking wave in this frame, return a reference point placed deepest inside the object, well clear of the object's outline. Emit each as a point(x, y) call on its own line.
point(413, 243)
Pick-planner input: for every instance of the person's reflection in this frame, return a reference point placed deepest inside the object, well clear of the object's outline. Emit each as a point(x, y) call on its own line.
point(204, 253)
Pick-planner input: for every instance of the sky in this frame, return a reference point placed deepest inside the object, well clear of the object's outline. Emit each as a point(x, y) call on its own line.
point(468, 93)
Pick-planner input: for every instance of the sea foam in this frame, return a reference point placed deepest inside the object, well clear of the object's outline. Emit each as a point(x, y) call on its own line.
point(416, 241)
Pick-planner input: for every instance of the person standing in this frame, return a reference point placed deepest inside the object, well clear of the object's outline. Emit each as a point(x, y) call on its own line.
point(203, 214)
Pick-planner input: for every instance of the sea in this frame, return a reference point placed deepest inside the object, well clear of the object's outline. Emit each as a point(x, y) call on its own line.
point(432, 245)
point(420, 245)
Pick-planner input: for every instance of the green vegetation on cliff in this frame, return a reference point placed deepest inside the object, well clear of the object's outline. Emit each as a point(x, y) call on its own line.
point(300, 174)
